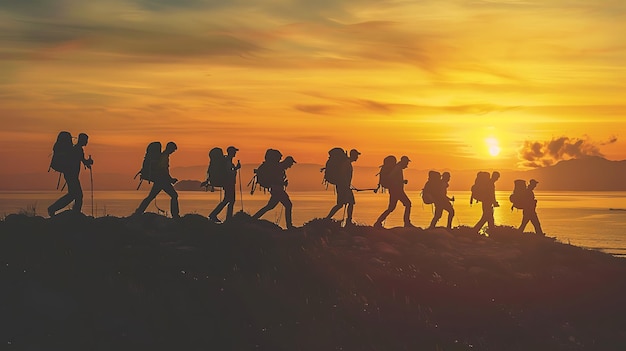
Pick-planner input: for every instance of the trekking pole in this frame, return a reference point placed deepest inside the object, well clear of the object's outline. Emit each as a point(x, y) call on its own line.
point(240, 186)
point(159, 210)
point(91, 178)
point(366, 189)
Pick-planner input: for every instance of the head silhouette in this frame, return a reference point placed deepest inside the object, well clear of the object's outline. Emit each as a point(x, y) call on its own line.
point(404, 161)
point(495, 176)
point(445, 176)
point(231, 151)
point(82, 139)
point(170, 147)
point(288, 161)
point(354, 155)
point(532, 184)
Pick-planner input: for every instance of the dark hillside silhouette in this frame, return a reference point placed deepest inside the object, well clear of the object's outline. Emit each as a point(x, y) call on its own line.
point(148, 282)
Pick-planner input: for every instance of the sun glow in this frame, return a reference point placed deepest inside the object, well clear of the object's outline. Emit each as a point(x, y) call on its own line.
point(492, 146)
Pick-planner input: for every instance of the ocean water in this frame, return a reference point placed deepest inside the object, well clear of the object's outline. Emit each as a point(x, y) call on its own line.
point(595, 220)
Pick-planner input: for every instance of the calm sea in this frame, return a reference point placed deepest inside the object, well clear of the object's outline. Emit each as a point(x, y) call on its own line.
point(595, 220)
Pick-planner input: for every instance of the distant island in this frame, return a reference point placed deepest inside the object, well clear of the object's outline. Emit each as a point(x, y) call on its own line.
point(584, 174)
point(189, 185)
point(148, 282)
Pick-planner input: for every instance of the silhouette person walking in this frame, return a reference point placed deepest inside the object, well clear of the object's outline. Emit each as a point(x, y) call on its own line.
point(529, 212)
point(71, 175)
point(396, 193)
point(162, 181)
point(278, 193)
point(229, 186)
point(345, 196)
point(443, 202)
point(488, 203)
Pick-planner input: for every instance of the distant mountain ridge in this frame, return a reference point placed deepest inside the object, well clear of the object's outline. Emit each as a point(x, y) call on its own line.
point(583, 174)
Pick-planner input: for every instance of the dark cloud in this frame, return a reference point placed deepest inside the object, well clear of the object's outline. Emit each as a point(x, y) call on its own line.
point(536, 154)
point(612, 140)
point(131, 44)
point(314, 109)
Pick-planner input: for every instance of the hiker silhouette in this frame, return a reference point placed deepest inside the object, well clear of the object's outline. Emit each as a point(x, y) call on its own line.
point(162, 180)
point(529, 209)
point(276, 183)
point(230, 179)
point(441, 201)
point(71, 172)
point(486, 194)
point(395, 186)
point(343, 187)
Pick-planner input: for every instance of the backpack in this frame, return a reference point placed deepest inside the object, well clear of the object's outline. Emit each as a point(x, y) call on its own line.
point(335, 170)
point(384, 176)
point(432, 187)
point(519, 196)
point(268, 173)
point(61, 152)
point(218, 167)
point(480, 189)
point(150, 165)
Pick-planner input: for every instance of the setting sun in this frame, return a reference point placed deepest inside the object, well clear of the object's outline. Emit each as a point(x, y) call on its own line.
point(492, 146)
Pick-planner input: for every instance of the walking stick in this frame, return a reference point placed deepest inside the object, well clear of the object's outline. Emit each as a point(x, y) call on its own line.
point(367, 189)
point(240, 186)
point(91, 178)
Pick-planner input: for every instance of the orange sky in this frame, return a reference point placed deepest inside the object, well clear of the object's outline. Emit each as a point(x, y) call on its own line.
point(430, 79)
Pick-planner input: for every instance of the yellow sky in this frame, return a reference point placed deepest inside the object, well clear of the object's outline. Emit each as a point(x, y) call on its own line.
point(430, 79)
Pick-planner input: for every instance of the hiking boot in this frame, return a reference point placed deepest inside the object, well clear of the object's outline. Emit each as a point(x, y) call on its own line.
point(378, 225)
point(214, 219)
point(51, 212)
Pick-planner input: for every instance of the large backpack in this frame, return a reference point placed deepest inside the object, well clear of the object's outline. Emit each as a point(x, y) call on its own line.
point(336, 168)
point(480, 189)
point(520, 193)
point(268, 173)
point(149, 168)
point(384, 176)
point(218, 171)
point(61, 152)
point(432, 188)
